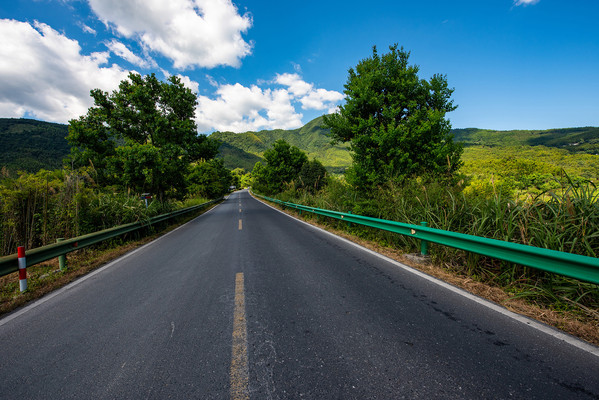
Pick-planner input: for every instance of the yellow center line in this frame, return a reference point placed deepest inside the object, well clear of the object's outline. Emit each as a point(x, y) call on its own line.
point(239, 358)
point(240, 224)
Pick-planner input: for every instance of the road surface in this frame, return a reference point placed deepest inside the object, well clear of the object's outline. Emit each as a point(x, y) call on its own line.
point(245, 302)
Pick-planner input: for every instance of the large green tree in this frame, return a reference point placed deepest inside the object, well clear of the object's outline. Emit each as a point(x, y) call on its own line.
point(282, 164)
point(312, 176)
point(395, 121)
point(209, 179)
point(142, 136)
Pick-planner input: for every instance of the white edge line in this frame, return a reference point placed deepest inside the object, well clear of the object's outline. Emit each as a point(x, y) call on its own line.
point(572, 340)
point(16, 314)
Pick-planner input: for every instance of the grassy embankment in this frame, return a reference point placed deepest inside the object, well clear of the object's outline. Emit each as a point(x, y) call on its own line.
point(565, 218)
point(36, 209)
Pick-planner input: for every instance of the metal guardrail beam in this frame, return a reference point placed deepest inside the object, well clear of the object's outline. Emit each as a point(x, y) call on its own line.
point(9, 264)
point(575, 266)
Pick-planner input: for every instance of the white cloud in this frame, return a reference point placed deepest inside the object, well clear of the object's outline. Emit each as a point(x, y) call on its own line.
point(238, 108)
point(525, 2)
point(87, 29)
point(43, 73)
point(188, 83)
point(205, 33)
point(123, 51)
point(211, 81)
point(310, 98)
point(321, 99)
point(294, 82)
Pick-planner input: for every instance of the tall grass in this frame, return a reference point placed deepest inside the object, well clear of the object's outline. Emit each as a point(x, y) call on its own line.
point(36, 209)
point(565, 219)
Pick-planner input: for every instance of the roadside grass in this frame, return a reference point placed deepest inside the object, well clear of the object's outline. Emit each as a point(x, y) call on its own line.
point(46, 277)
point(564, 303)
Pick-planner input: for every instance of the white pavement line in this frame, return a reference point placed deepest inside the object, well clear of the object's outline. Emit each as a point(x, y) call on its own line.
point(574, 341)
point(49, 296)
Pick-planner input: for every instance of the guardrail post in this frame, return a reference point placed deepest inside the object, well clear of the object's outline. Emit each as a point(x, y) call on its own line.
point(423, 243)
point(62, 260)
point(22, 269)
point(349, 223)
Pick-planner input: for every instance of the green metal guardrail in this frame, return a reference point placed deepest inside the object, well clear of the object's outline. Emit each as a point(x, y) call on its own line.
point(572, 265)
point(9, 264)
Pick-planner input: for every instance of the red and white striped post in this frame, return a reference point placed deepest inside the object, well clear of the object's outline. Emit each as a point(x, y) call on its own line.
point(22, 269)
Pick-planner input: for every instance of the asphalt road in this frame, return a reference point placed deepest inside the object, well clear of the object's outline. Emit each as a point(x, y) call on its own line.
point(245, 302)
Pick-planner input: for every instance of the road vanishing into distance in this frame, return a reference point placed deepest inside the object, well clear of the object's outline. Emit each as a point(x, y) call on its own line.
point(245, 302)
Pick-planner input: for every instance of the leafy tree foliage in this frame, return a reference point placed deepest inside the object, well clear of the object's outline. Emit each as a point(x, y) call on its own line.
point(240, 178)
point(312, 176)
point(142, 137)
point(209, 179)
point(395, 121)
point(282, 164)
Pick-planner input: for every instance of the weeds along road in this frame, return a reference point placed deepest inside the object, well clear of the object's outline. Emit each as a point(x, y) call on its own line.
point(245, 302)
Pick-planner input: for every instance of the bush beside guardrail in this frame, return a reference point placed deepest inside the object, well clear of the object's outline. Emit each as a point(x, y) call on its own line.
point(9, 264)
point(575, 266)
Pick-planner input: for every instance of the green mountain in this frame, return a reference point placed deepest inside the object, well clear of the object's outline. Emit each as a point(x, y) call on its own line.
point(30, 145)
point(574, 140)
point(244, 149)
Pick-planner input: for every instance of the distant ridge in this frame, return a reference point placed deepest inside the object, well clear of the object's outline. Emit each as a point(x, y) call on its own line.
point(244, 149)
point(575, 140)
point(30, 145)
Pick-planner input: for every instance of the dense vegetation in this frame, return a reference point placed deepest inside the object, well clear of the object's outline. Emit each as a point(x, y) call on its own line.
point(286, 166)
point(30, 145)
point(395, 122)
point(36, 209)
point(574, 140)
point(141, 138)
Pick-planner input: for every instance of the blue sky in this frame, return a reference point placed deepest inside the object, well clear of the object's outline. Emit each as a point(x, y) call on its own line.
point(514, 64)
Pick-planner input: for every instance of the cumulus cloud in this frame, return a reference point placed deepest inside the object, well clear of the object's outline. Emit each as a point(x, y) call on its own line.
point(310, 98)
point(525, 2)
point(44, 74)
point(86, 28)
point(321, 99)
point(204, 33)
point(295, 83)
point(238, 108)
point(123, 51)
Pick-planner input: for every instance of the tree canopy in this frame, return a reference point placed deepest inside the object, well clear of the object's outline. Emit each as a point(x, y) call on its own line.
point(395, 121)
point(142, 136)
point(282, 164)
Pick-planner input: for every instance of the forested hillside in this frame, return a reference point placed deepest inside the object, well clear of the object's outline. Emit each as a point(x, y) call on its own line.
point(575, 140)
point(558, 147)
point(30, 145)
point(244, 149)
